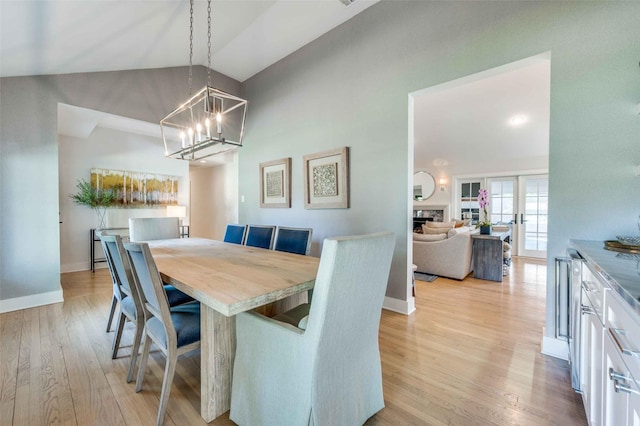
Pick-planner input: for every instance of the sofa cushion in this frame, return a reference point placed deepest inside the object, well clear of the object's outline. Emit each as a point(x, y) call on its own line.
point(434, 231)
point(429, 237)
point(438, 224)
point(436, 227)
point(460, 230)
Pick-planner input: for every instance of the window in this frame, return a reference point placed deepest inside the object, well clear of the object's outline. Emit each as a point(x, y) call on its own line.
point(469, 207)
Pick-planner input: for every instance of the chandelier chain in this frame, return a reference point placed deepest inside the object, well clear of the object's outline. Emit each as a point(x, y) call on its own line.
point(209, 43)
point(190, 46)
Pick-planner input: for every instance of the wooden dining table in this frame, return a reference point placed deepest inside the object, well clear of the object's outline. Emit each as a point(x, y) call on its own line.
point(227, 279)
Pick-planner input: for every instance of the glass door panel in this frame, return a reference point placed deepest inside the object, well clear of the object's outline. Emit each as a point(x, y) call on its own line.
point(501, 199)
point(535, 214)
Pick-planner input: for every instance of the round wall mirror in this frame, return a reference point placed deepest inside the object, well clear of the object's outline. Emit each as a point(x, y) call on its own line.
point(424, 185)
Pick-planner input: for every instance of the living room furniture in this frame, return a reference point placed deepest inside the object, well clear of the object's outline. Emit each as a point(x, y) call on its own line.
point(448, 257)
point(488, 255)
point(293, 240)
point(125, 292)
point(227, 279)
point(328, 373)
point(260, 236)
point(235, 234)
point(95, 238)
point(174, 330)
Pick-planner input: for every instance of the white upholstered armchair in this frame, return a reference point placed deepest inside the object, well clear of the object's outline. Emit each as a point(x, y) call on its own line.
point(330, 372)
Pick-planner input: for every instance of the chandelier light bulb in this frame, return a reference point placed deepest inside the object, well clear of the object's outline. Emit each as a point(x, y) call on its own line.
point(182, 136)
point(199, 130)
point(190, 131)
point(207, 124)
point(219, 123)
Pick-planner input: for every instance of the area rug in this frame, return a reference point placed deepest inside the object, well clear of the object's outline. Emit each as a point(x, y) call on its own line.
point(424, 277)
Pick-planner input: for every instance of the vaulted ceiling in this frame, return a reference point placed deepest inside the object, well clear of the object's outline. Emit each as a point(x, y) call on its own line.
point(71, 36)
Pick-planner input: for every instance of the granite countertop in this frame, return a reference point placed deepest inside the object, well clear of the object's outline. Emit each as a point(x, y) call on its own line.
point(620, 270)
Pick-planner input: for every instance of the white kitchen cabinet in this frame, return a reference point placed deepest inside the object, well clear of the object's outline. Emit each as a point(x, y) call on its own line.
point(610, 336)
point(593, 293)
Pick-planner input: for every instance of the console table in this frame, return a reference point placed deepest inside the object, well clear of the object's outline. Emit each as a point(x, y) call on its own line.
point(487, 255)
point(93, 239)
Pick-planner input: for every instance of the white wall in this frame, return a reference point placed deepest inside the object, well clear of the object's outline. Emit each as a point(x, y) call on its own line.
point(107, 149)
point(214, 199)
point(29, 193)
point(350, 87)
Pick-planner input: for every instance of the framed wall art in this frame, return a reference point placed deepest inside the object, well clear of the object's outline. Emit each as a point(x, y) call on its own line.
point(275, 183)
point(326, 179)
point(137, 189)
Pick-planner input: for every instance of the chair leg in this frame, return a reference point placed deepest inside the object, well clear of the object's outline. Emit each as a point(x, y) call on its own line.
point(143, 362)
point(116, 339)
point(169, 371)
point(135, 350)
point(114, 301)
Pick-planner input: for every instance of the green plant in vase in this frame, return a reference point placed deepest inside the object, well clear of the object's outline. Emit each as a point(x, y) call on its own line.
point(483, 202)
point(96, 199)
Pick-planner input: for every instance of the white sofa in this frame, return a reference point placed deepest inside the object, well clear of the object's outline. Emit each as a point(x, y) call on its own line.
point(449, 257)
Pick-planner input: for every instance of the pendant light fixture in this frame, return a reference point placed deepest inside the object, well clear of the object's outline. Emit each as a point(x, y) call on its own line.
point(208, 123)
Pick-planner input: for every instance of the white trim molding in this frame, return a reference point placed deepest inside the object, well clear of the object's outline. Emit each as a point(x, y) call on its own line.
point(405, 307)
point(555, 347)
point(32, 301)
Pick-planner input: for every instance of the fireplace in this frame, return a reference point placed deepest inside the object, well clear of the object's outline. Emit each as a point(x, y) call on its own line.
point(429, 213)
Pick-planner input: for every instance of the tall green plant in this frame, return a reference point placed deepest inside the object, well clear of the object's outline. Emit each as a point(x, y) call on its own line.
point(89, 196)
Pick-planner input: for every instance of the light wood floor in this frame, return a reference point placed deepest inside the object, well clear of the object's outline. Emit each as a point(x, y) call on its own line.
point(469, 355)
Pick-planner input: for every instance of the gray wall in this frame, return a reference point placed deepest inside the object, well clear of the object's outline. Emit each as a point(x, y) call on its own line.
point(350, 88)
point(30, 253)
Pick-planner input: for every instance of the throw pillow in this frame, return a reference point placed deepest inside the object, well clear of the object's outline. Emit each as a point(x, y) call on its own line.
point(429, 237)
point(434, 231)
point(457, 223)
point(459, 230)
point(439, 224)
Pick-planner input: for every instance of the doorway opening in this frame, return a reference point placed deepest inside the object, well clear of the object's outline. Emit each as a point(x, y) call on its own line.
point(491, 129)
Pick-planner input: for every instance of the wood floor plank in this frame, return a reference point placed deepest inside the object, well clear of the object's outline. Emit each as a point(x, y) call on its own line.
point(57, 401)
point(469, 355)
point(10, 334)
point(93, 399)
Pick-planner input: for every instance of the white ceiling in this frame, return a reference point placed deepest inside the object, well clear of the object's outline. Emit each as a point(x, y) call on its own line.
point(465, 123)
point(70, 36)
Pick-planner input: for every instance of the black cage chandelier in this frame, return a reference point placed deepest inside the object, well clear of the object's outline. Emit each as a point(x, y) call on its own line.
point(208, 123)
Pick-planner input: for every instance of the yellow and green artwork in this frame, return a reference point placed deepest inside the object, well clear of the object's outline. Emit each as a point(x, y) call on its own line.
point(137, 189)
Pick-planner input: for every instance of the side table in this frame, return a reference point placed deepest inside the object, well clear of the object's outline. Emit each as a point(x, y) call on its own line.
point(487, 255)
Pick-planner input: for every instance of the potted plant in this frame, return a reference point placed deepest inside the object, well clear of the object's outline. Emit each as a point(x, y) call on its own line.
point(96, 199)
point(483, 201)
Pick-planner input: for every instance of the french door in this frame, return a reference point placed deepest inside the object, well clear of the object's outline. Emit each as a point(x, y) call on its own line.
point(534, 213)
point(523, 202)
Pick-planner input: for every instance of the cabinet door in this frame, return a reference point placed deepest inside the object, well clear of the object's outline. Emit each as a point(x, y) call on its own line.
point(593, 407)
point(615, 403)
point(634, 409)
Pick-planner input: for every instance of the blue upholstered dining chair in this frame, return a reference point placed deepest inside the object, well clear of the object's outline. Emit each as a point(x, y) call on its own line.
point(174, 330)
point(235, 234)
point(260, 236)
point(126, 293)
point(130, 301)
point(293, 240)
point(321, 364)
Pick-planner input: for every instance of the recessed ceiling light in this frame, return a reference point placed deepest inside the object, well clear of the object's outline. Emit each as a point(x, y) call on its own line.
point(440, 162)
point(203, 161)
point(518, 120)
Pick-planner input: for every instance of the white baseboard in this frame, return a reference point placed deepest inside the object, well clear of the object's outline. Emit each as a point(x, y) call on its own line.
point(25, 302)
point(405, 307)
point(79, 266)
point(555, 347)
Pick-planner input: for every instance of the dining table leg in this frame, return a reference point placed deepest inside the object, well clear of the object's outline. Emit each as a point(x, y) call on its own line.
point(218, 348)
